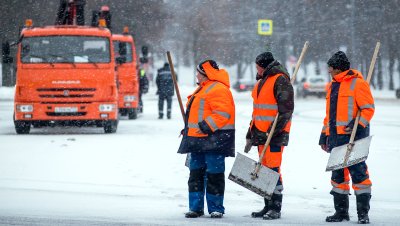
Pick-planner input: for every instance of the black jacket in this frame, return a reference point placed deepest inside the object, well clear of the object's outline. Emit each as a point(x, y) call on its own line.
point(165, 84)
point(143, 84)
point(284, 95)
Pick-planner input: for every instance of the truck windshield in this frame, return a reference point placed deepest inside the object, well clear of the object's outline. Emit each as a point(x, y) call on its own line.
point(65, 49)
point(123, 49)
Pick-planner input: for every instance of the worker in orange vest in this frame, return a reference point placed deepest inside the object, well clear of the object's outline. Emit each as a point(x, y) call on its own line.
point(272, 94)
point(209, 137)
point(347, 93)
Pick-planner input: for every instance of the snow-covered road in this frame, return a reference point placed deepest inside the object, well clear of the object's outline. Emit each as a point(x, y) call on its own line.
point(81, 176)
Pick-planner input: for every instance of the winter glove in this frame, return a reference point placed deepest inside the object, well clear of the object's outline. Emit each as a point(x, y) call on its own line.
point(204, 127)
point(349, 127)
point(182, 132)
point(323, 142)
point(248, 134)
point(247, 148)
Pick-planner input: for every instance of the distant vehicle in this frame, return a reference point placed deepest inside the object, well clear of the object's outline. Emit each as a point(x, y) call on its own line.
point(312, 86)
point(241, 86)
point(66, 74)
point(128, 81)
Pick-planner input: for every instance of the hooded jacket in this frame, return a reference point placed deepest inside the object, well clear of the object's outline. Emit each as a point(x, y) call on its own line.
point(210, 116)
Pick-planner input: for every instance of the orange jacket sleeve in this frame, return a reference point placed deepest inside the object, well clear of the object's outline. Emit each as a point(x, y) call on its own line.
point(365, 102)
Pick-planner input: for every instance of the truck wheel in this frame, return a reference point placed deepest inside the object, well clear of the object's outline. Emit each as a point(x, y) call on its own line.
point(132, 113)
point(22, 127)
point(123, 112)
point(110, 126)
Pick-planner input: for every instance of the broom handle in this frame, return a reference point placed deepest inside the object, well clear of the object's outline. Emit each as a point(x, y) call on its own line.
point(353, 132)
point(178, 94)
point(303, 52)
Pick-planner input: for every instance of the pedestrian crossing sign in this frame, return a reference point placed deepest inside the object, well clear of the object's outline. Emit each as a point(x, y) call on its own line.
point(265, 27)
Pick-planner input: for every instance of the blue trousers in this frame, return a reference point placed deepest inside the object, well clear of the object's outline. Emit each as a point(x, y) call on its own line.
point(206, 176)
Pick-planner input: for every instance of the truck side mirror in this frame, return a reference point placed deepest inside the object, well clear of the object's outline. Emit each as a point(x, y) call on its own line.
point(5, 53)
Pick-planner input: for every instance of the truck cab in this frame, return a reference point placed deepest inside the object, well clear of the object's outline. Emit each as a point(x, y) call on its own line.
point(65, 75)
point(128, 81)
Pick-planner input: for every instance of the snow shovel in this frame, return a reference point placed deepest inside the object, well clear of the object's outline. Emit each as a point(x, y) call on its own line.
point(178, 94)
point(355, 151)
point(253, 175)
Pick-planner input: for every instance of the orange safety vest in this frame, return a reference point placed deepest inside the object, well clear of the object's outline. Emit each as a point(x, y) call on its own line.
point(211, 102)
point(354, 94)
point(265, 107)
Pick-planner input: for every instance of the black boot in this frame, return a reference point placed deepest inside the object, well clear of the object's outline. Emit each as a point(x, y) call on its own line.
point(194, 214)
point(160, 116)
point(341, 202)
point(363, 207)
point(261, 212)
point(275, 207)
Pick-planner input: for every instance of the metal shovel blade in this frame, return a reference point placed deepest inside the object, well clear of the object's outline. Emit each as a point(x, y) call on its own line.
point(358, 153)
point(263, 185)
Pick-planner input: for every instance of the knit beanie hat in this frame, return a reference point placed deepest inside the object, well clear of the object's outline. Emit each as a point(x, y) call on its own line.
point(201, 69)
point(264, 59)
point(339, 61)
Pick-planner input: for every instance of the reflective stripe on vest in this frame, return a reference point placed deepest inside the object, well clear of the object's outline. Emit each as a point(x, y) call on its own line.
point(350, 106)
point(265, 107)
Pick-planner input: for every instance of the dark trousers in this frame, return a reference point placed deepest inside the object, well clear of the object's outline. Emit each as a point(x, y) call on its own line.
point(360, 177)
point(206, 176)
point(140, 102)
point(161, 99)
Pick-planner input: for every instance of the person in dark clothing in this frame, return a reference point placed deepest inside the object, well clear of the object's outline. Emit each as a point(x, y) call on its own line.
point(143, 87)
point(66, 10)
point(347, 94)
point(272, 94)
point(165, 90)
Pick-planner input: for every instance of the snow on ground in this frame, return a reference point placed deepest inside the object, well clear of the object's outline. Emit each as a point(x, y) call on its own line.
point(81, 176)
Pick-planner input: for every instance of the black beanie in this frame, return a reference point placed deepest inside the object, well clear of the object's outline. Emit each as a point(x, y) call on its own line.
point(264, 59)
point(201, 69)
point(339, 61)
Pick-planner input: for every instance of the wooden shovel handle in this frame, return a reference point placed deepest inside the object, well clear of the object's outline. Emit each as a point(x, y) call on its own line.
point(353, 132)
point(371, 69)
point(178, 94)
point(299, 61)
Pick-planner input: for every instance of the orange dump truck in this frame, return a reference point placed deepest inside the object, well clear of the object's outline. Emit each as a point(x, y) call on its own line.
point(65, 75)
point(128, 83)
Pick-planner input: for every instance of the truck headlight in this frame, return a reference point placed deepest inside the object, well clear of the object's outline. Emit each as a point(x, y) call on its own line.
point(25, 108)
point(106, 107)
point(129, 98)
